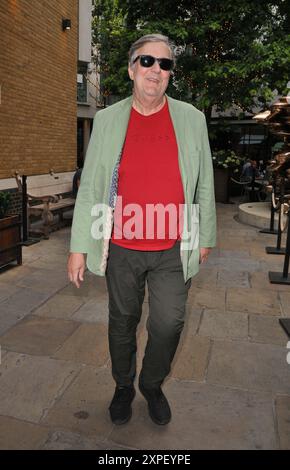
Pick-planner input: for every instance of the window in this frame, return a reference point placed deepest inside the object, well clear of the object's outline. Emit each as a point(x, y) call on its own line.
point(249, 140)
point(82, 88)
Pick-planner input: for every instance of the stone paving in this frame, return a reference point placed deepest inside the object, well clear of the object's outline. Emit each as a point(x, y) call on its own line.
point(229, 386)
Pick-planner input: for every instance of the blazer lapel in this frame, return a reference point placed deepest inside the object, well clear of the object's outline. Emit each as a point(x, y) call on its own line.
point(123, 120)
point(179, 124)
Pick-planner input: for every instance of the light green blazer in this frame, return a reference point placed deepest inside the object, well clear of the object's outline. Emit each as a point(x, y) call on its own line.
point(195, 163)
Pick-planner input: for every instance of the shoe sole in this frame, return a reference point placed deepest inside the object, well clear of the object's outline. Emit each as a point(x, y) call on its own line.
point(119, 422)
point(160, 423)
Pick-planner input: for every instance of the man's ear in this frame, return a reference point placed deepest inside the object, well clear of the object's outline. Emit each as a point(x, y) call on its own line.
point(130, 72)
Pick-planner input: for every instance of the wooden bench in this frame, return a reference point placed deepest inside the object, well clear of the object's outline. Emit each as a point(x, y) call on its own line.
point(47, 196)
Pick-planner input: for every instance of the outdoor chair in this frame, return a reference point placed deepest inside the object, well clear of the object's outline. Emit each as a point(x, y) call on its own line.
point(248, 190)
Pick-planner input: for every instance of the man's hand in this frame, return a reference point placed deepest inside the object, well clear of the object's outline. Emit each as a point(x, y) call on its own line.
point(76, 268)
point(203, 254)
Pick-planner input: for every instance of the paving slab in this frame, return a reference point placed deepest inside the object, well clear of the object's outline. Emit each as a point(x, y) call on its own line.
point(253, 301)
point(6, 290)
point(21, 435)
point(192, 321)
point(64, 440)
point(285, 303)
point(230, 230)
point(94, 310)
point(224, 325)
point(30, 256)
point(204, 416)
point(191, 359)
point(270, 263)
point(260, 280)
point(227, 278)
point(38, 336)
point(83, 408)
point(235, 254)
point(18, 306)
point(3, 353)
point(207, 277)
point(24, 300)
point(29, 385)
point(12, 274)
point(275, 265)
point(50, 262)
point(282, 404)
point(232, 264)
point(250, 366)
point(228, 242)
point(60, 306)
point(92, 286)
point(266, 329)
point(40, 280)
point(207, 298)
point(87, 345)
point(258, 250)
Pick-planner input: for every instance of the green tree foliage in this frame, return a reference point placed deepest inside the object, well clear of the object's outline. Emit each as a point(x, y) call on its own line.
point(111, 39)
point(229, 52)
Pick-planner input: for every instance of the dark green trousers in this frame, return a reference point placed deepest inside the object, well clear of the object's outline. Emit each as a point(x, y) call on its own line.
point(127, 273)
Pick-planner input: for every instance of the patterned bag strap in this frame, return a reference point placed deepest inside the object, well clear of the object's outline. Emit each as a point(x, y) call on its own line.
point(114, 182)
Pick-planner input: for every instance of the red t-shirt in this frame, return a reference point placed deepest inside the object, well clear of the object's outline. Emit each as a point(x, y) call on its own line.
point(148, 175)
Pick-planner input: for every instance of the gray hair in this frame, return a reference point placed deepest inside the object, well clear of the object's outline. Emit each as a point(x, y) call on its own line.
point(150, 38)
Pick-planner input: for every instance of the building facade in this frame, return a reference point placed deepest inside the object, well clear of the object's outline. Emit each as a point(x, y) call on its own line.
point(38, 69)
point(87, 81)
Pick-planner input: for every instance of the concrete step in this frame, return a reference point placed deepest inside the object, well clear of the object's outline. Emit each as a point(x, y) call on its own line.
point(256, 214)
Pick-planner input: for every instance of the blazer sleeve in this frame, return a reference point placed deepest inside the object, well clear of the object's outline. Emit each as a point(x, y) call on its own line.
point(82, 219)
point(205, 196)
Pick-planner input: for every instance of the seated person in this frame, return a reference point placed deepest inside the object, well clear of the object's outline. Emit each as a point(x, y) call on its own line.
point(250, 171)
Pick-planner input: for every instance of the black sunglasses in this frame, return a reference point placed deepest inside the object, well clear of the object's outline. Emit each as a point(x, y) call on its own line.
point(148, 60)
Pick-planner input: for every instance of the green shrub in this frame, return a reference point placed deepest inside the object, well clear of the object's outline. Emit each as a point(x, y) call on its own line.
point(5, 199)
point(227, 159)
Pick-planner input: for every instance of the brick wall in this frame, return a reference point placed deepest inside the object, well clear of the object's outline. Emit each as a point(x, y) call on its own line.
point(38, 67)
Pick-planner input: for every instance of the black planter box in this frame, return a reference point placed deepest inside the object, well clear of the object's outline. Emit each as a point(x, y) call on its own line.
point(10, 240)
point(221, 184)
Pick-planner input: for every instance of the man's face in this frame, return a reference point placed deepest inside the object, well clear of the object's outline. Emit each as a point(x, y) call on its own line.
point(152, 81)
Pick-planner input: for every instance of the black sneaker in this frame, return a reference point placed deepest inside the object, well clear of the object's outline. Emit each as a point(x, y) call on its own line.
point(158, 406)
point(120, 407)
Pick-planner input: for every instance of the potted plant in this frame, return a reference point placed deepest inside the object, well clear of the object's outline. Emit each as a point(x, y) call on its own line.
point(227, 159)
point(10, 232)
point(226, 164)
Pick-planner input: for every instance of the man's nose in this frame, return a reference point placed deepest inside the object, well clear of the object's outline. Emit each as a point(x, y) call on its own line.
point(156, 67)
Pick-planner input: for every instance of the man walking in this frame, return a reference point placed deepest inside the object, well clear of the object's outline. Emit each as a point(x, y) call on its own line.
point(148, 159)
